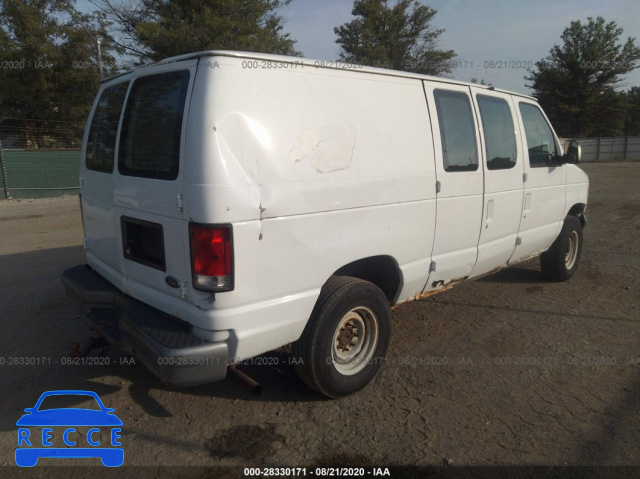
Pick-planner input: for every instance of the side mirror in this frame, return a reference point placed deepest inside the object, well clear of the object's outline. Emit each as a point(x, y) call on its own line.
point(574, 153)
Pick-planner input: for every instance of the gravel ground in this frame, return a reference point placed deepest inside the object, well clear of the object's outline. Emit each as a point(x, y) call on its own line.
point(509, 370)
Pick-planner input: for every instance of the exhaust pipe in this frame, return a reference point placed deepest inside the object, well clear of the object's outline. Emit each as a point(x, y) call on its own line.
point(91, 344)
point(253, 386)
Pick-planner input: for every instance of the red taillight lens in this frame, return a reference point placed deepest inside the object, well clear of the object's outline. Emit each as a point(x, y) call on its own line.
point(211, 257)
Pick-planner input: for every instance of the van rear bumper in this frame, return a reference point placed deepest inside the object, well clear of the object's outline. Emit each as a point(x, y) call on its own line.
point(163, 343)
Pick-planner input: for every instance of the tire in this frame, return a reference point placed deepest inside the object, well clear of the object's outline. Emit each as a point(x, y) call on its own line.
point(560, 261)
point(333, 356)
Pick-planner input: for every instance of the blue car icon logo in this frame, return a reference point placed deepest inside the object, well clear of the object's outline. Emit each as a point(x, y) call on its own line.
point(32, 445)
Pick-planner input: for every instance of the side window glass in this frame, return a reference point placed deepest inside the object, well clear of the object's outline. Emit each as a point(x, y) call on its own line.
point(101, 144)
point(540, 140)
point(152, 126)
point(457, 132)
point(499, 132)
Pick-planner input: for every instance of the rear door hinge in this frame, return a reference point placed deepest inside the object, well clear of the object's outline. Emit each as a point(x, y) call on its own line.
point(438, 187)
point(518, 241)
point(81, 182)
point(525, 177)
point(432, 267)
point(183, 290)
point(85, 243)
point(179, 202)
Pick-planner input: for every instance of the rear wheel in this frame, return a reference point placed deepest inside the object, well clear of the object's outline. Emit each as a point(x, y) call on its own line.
point(346, 338)
point(560, 261)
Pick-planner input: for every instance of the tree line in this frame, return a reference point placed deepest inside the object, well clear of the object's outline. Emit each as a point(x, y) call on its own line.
point(49, 55)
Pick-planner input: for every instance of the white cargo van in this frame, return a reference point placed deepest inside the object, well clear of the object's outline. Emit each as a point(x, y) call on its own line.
point(234, 203)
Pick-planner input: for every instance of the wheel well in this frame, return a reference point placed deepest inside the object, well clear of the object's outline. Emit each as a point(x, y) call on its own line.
point(383, 271)
point(577, 210)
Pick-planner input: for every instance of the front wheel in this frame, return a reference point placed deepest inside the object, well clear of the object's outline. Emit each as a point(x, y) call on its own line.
point(560, 261)
point(346, 338)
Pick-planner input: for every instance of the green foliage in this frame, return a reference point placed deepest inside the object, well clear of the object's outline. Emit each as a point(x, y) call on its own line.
point(394, 36)
point(50, 69)
point(157, 29)
point(576, 83)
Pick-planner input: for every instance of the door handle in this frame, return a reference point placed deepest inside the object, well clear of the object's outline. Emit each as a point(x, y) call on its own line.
point(527, 203)
point(489, 216)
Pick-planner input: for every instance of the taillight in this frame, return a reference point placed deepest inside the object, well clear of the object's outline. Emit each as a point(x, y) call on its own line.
point(211, 257)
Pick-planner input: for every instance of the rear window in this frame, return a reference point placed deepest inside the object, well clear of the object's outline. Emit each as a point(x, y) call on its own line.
point(101, 144)
point(457, 131)
point(152, 126)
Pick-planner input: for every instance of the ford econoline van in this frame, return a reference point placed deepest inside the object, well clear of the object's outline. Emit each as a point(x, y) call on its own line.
point(234, 203)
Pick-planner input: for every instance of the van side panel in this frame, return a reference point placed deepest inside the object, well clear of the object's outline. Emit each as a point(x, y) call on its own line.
point(577, 187)
point(319, 140)
point(324, 169)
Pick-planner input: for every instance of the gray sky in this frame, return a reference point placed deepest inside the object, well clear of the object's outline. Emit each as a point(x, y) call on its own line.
point(479, 32)
point(516, 33)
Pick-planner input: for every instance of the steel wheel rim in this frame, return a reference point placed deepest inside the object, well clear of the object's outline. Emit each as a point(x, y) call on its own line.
point(354, 341)
point(572, 250)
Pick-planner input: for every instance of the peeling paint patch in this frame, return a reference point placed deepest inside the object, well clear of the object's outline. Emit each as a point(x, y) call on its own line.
point(419, 296)
point(307, 143)
point(329, 148)
point(441, 282)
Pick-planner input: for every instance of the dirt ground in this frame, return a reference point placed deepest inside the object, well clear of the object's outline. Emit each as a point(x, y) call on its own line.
point(507, 370)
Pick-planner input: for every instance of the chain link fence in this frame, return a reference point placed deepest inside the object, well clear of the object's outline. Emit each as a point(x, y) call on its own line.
point(39, 163)
point(45, 163)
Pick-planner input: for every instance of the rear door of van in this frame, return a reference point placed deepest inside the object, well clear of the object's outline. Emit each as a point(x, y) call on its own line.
point(132, 182)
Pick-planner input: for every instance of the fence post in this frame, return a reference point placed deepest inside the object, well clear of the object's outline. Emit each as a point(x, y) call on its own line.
point(3, 172)
point(626, 144)
point(613, 145)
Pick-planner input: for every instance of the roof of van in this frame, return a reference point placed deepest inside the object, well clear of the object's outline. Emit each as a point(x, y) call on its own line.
point(328, 64)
